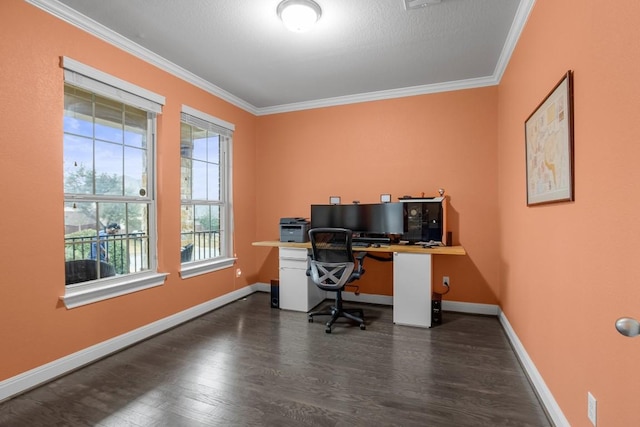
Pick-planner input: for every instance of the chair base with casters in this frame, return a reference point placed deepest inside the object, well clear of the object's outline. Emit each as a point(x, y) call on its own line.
point(336, 311)
point(332, 267)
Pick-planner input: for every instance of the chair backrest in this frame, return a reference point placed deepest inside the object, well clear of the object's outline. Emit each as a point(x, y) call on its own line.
point(83, 270)
point(331, 244)
point(332, 260)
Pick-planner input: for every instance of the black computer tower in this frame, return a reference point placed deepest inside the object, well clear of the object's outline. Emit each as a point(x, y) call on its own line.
point(436, 309)
point(423, 221)
point(275, 294)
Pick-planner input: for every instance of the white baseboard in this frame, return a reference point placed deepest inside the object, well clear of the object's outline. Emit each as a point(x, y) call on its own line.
point(42, 374)
point(462, 307)
point(262, 287)
point(470, 307)
point(367, 298)
point(549, 403)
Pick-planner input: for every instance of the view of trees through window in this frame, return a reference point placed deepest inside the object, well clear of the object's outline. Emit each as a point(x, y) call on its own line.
point(201, 193)
point(107, 203)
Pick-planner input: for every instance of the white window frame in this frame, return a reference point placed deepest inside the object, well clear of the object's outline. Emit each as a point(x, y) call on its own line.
point(98, 82)
point(196, 268)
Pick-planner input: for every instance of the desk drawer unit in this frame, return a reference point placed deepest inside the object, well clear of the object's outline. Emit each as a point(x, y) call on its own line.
point(297, 290)
point(412, 289)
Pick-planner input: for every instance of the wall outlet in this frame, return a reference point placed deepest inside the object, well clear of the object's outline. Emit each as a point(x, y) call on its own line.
point(591, 408)
point(445, 281)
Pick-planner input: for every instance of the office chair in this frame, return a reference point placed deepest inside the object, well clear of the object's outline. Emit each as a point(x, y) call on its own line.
point(83, 270)
point(332, 267)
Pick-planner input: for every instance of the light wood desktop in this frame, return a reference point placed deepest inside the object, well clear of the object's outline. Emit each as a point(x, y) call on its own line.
point(412, 281)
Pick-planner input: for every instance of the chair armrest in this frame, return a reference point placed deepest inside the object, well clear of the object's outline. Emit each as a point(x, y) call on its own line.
point(360, 256)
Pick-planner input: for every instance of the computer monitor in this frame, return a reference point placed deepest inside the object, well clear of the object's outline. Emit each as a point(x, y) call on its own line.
point(384, 218)
point(378, 218)
point(337, 216)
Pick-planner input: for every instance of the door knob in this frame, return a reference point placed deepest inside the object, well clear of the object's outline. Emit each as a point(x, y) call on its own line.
point(628, 327)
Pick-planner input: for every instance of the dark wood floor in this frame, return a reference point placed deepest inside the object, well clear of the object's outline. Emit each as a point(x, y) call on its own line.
point(246, 364)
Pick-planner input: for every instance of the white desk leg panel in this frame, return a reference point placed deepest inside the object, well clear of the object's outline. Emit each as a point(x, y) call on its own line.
point(412, 289)
point(297, 291)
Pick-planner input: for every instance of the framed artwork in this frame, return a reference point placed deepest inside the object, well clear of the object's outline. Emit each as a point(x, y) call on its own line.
point(334, 200)
point(549, 146)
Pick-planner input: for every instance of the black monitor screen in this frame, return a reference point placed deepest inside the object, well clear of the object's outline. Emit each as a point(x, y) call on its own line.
point(379, 218)
point(340, 216)
point(351, 218)
point(385, 218)
point(324, 216)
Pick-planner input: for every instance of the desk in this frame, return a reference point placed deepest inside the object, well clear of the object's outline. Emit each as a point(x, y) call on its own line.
point(412, 282)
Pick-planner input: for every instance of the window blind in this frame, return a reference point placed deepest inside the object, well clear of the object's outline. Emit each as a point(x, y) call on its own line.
point(205, 121)
point(91, 79)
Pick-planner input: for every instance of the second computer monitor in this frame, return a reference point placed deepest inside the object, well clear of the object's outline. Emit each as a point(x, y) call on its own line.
point(378, 218)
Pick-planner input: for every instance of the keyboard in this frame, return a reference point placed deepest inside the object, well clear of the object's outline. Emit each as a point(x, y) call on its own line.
point(360, 244)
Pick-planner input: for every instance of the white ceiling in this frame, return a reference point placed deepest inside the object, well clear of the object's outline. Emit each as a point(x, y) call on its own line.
point(359, 50)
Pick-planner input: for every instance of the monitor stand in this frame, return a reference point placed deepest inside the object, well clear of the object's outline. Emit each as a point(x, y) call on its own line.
point(371, 239)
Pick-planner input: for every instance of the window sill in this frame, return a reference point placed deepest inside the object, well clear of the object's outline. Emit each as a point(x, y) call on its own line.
point(197, 268)
point(87, 293)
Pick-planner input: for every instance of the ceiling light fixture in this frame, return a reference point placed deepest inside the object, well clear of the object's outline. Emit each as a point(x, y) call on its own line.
point(299, 15)
point(417, 4)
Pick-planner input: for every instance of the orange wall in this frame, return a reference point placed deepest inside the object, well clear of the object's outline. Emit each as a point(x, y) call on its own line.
point(35, 327)
point(569, 270)
point(405, 146)
point(562, 273)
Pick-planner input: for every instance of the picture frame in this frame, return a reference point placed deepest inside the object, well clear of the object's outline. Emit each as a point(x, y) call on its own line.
point(549, 146)
point(334, 200)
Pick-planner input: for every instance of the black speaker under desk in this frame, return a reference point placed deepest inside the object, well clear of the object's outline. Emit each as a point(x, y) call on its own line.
point(275, 294)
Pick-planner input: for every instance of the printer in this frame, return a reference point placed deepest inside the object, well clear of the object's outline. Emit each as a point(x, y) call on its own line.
point(294, 230)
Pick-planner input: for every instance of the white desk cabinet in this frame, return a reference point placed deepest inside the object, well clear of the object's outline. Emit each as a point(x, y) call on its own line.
point(412, 289)
point(297, 290)
point(411, 279)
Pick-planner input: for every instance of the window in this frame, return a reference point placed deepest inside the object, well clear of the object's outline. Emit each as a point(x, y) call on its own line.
point(109, 206)
point(205, 145)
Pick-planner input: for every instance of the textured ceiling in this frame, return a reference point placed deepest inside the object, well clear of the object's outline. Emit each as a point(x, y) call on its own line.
point(359, 50)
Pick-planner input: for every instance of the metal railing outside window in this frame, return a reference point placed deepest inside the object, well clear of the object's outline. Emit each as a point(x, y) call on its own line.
point(126, 252)
point(201, 245)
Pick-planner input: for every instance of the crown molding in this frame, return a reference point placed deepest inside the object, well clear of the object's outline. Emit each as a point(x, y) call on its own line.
point(380, 95)
point(92, 27)
point(522, 14)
